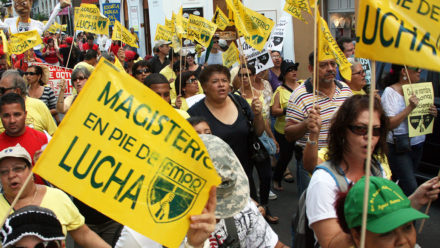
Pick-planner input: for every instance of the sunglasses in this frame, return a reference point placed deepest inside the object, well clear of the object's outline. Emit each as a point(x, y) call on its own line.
point(414, 68)
point(142, 71)
point(244, 75)
point(361, 72)
point(45, 244)
point(216, 41)
point(30, 73)
point(79, 78)
point(3, 90)
point(291, 69)
point(363, 130)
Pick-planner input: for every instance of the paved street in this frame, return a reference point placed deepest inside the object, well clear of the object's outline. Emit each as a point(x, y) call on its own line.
point(286, 205)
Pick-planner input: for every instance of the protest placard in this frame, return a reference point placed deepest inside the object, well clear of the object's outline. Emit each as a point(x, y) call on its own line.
point(21, 42)
point(124, 151)
point(123, 34)
point(400, 32)
point(230, 56)
point(420, 121)
point(276, 39)
point(88, 18)
point(56, 73)
point(201, 29)
point(163, 33)
point(260, 60)
point(296, 7)
point(112, 12)
point(221, 19)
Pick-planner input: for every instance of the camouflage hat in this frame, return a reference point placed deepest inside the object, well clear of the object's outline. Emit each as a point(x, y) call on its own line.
point(233, 192)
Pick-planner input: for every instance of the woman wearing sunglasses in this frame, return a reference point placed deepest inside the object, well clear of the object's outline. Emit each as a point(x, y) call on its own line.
point(186, 88)
point(404, 153)
point(347, 154)
point(79, 78)
point(36, 79)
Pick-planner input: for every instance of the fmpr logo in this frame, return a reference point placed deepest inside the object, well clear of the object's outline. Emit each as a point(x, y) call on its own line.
point(172, 192)
point(257, 39)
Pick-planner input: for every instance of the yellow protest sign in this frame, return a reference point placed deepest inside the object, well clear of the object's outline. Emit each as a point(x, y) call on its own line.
point(21, 42)
point(162, 33)
point(88, 18)
point(329, 49)
point(254, 26)
point(201, 29)
point(231, 55)
point(64, 27)
point(401, 32)
point(124, 151)
point(123, 34)
point(169, 24)
point(420, 121)
point(295, 8)
point(220, 19)
point(179, 24)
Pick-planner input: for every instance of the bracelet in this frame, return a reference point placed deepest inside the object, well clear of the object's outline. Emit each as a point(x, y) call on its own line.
point(60, 102)
point(311, 142)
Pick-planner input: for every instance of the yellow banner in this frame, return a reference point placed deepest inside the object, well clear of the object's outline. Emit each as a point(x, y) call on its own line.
point(201, 29)
point(169, 24)
point(420, 121)
point(329, 49)
point(400, 32)
point(162, 33)
point(179, 22)
point(230, 56)
point(295, 8)
point(220, 19)
point(89, 19)
point(64, 27)
point(123, 34)
point(21, 42)
point(124, 151)
point(255, 27)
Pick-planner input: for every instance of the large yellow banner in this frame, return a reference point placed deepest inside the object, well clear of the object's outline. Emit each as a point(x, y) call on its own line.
point(163, 33)
point(124, 151)
point(123, 34)
point(328, 49)
point(420, 121)
point(88, 18)
point(401, 32)
point(221, 19)
point(201, 29)
point(254, 26)
point(231, 56)
point(21, 42)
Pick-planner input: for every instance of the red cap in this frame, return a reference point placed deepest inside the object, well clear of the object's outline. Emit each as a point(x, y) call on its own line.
point(129, 55)
point(69, 40)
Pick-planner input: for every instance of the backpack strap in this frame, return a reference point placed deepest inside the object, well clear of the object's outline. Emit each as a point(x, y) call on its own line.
point(232, 240)
point(340, 179)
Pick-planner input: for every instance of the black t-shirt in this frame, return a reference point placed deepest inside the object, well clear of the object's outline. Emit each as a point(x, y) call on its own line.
point(235, 135)
point(156, 65)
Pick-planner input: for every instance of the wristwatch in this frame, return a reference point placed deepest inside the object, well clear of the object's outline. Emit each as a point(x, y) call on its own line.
point(311, 142)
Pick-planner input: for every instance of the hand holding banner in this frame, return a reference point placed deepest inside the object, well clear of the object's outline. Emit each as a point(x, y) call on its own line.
point(21, 42)
point(126, 152)
point(400, 32)
point(420, 121)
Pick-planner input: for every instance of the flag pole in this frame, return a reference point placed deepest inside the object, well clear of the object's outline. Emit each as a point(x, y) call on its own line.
point(369, 152)
point(315, 51)
point(409, 79)
point(247, 70)
point(426, 211)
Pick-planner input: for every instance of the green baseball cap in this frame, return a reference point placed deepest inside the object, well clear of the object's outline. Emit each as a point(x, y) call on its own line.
point(388, 207)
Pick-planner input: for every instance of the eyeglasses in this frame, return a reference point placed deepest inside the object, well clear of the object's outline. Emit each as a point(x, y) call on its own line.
point(361, 72)
point(244, 75)
point(414, 68)
point(16, 169)
point(45, 244)
point(142, 71)
point(3, 90)
point(30, 73)
point(363, 130)
point(192, 80)
point(215, 41)
point(78, 78)
point(291, 69)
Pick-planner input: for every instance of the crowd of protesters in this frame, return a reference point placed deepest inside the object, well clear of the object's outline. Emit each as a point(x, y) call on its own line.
point(226, 106)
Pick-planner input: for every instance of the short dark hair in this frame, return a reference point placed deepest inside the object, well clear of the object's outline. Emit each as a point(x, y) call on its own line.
point(11, 98)
point(140, 63)
point(346, 115)
point(311, 60)
point(90, 37)
point(39, 71)
point(155, 78)
point(185, 76)
point(249, 67)
point(90, 54)
point(343, 40)
point(194, 120)
point(207, 72)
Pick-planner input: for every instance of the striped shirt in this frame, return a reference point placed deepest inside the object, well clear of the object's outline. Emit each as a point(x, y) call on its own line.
point(49, 98)
point(301, 102)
